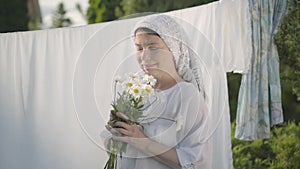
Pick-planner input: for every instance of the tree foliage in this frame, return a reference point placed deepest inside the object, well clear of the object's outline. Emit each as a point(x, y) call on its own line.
point(59, 18)
point(234, 82)
point(13, 16)
point(137, 6)
point(282, 150)
point(287, 40)
point(104, 10)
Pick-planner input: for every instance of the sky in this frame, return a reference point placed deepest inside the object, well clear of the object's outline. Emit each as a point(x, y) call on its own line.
point(49, 6)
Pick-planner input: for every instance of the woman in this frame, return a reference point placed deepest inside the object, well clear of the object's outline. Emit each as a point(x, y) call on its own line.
point(161, 52)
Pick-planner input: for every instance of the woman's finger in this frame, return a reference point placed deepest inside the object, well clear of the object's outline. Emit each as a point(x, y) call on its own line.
point(122, 131)
point(108, 127)
point(122, 116)
point(122, 124)
point(118, 131)
point(112, 130)
point(111, 117)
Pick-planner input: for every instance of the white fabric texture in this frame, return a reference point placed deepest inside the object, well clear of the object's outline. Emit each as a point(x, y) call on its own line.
point(182, 100)
point(56, 85)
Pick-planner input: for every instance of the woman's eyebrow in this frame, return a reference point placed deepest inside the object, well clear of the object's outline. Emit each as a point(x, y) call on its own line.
point(147, 44)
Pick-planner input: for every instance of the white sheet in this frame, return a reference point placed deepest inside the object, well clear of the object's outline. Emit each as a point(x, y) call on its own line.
point(55, 85)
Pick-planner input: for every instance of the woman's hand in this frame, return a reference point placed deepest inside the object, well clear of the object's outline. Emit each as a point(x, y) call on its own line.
point(133, 135)
point(125, 128)
point(127, 132)
point(110, 122)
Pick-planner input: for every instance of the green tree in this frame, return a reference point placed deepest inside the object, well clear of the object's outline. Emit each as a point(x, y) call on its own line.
point(102, 10)
point(282, 150)
point(13, 16)
point(234, 82)
point(137, 6)
point(80, 10)
point(34, 25)
point(59, 18)
point(287, 40)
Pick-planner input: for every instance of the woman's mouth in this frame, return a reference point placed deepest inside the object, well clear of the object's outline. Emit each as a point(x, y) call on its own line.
point(149, 66)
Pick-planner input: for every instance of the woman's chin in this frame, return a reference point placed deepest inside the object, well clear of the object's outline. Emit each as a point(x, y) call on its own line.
point(153, 73)
point(149, 71)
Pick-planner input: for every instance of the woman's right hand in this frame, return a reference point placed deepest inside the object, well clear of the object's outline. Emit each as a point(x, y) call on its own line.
point(122, 118)
point(123, 127)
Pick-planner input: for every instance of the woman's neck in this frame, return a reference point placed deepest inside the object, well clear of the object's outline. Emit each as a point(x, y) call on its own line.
point(167, 82)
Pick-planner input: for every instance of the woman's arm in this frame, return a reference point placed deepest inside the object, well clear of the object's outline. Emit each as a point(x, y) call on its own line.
point(135, 137)
point(162, 153)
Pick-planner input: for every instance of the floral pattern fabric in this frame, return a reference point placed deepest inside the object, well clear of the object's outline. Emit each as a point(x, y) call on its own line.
point(259, 102)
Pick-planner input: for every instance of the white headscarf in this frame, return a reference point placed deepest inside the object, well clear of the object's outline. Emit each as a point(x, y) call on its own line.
point(187, 65)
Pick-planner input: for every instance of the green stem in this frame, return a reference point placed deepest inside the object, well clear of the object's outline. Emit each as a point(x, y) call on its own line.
point(117, 147)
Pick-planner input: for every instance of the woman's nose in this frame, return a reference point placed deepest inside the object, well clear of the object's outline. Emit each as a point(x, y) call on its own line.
point(145, 55)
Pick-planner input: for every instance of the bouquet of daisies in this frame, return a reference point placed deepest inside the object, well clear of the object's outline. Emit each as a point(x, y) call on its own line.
point(131, 100)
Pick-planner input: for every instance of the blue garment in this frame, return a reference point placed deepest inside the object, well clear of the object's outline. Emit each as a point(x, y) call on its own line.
point(259, 102)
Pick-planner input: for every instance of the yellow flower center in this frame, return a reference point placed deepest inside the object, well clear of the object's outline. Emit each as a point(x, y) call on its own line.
point(148, 90)
point(129, 84)
point(136, 91)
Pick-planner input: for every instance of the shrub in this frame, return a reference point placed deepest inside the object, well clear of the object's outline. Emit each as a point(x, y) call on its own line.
point(281, 151)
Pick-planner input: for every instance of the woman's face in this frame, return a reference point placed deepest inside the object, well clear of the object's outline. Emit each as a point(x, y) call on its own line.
point(154, 56)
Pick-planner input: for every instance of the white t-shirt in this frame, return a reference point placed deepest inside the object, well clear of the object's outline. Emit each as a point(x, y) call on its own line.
point(177, 119)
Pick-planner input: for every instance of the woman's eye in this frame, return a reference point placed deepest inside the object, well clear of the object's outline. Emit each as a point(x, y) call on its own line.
point(153, 48)
point(139, 49)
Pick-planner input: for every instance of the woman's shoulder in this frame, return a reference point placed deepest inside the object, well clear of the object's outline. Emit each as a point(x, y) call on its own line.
point(190, 93)
point(187, 88)
point(183, 89)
